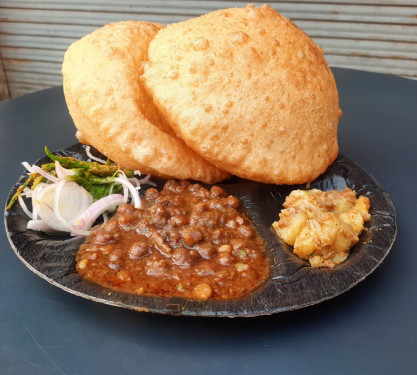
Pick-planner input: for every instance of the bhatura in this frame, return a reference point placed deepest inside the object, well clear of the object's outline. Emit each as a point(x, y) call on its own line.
point(241, 90)
point(113, 113)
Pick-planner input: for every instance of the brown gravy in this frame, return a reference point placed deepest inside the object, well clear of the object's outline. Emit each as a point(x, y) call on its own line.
point(186, 241)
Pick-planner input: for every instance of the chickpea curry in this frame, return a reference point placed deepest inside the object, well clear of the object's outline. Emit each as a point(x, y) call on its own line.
point(185, 241)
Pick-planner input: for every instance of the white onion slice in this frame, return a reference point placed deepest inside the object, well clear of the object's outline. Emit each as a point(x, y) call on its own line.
point(48, 176)
point(88, 152)
point(135, 182)
point(39, 225)
point(24, 207)
point(133, 192)
point(150, 182)
point(72, 200)
point(89, 216)
point(28, 166)
point(125, 193)
point(61, 172)
point(35, 192)
point(105, 217)
point(145, 179)
point(38, 170)
point(27, 192)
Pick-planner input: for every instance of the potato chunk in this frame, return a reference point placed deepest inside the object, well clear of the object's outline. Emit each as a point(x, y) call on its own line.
point(322, 226)
point(290, 225)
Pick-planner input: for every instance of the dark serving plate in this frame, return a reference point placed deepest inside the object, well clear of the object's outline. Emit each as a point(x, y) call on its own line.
point(292, 283)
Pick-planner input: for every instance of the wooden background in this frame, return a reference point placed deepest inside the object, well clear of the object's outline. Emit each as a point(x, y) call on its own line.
point(378, 36)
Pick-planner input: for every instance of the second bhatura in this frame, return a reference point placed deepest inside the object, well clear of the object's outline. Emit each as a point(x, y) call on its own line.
point(249, 91)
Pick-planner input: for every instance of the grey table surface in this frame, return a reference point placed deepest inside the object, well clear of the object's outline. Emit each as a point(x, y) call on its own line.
point(370, 329)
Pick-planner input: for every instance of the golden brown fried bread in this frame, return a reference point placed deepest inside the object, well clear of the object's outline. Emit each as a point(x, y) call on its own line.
point(249, 91)
point(112, 111)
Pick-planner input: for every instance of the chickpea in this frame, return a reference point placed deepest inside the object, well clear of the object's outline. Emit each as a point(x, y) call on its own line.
point(82, 263)
point(111, 226)
point(246, 231)
point(231, 224)
point(232, 201)
point(239, 220)
point(217, 191)
point(191, 235)
point(123, 276)
point(226, 260)
point(126, 218)
point(202, 291)
point(106, 238)
point(241, 267)
point(125, 208)
point(151, 194)
point(224, 249)
point(205, 250)
point(138, 250)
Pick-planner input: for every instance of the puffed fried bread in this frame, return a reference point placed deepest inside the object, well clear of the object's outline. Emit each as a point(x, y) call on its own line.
point(249, 91)
point(114, 114)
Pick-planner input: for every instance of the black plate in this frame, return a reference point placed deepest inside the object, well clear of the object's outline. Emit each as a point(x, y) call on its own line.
point(292, 283)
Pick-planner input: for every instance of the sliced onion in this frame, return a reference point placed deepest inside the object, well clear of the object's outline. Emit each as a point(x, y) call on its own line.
point(150, 182)
point(84, 222)
point(72, 200)
point(27, 192)
point(145, 179)
point(39, 225)
point(105, 217)
point(35, 192)
point(38, 170)
point(87, 151)
point(133, 192)
point(48, 176)
point(120, 173)
point(28, 167)
point(24, 207)
point(84, 200)
point(61, 172)
point(135, 182)
point(125, 193)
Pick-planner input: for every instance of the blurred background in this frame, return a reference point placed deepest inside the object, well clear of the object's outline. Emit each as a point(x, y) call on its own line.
point(378, 36)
